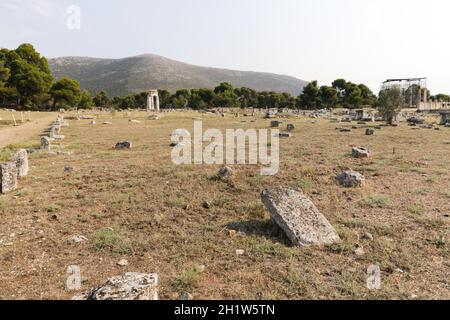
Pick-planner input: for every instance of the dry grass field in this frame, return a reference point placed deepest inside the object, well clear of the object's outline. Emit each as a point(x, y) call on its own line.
point(137, 205)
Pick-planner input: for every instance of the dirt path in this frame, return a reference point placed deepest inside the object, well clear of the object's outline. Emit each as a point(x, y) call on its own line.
point(24, 132)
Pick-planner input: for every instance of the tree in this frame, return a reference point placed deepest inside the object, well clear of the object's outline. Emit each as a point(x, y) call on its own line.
point(128, 102)
point(65, 93)
point(164, 98)
point(310, 98)
point(195, 101)
point(390, 103)
point(207, 95)
point(86, 100)
point(30, 75)
point(353, 98)
point(247, 97)
point(223, 88)
point(4, 76)
point(369, 98)
point(101, 100)
point(441, 97)
point(328, 96)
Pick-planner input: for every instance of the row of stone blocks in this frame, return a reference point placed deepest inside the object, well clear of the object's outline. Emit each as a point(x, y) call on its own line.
point(54, 134)
point(11, 171)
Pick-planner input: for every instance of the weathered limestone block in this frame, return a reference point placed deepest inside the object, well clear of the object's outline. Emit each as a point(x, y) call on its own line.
point(351, 179)
point(299, 218)
point(8, 177)
point(123, 145)
point(131, 286)
point(21, 161)
point(45, 143)
point(360, 152)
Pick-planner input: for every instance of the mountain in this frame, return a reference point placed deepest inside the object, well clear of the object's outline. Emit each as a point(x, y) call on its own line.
point(119, 77)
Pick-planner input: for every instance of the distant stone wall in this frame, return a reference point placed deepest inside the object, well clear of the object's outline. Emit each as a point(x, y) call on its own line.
point(434, 105)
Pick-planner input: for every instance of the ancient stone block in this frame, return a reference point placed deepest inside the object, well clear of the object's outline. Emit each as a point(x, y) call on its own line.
point(45, 143)
point(299, 218)
point(131, 286)
point(360, 152)
point(351, 179)
point(21, 161)
point(8, 177)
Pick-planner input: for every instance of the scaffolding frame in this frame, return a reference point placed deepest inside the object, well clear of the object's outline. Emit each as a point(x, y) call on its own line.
point(404, 85)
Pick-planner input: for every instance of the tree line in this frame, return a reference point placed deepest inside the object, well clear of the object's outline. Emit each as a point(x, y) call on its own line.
point(26, 83)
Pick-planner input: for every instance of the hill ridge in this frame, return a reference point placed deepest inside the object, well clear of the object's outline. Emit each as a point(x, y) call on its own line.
point(119, 77)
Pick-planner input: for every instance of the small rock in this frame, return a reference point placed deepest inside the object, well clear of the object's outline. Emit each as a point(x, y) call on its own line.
point(284, 135)
point(232, 233)
point(185, 296)
point(123, 263)
point(225, 173)
point(131, 286)
point(199, 268)
point(367, 236)
point(206, 205)
point(77, 239)
point(124, 145)
point(370, 132)
point(360, 251)
point(69, 169)
point(240, 252)
point(351, 179)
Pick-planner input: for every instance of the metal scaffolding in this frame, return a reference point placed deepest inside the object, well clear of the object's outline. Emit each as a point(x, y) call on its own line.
point(414, 90)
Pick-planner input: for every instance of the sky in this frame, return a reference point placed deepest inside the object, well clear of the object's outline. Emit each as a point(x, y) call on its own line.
point(363, 41)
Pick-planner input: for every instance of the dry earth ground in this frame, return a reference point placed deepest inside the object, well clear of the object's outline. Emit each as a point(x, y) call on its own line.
point(137, 205)
point(30, 128)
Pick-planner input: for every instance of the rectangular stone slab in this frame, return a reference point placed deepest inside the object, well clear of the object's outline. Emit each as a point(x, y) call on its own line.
point(299, 218)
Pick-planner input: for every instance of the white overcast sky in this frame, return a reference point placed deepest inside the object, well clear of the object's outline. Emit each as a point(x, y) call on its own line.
point(364, 41)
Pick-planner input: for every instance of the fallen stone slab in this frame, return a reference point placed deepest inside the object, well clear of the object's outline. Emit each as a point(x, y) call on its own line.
point(284, 135)
point(21, 161)
point(299, 218)
point(351, 179)
point(130, 286)
point(360, 152)
point(8, 177)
